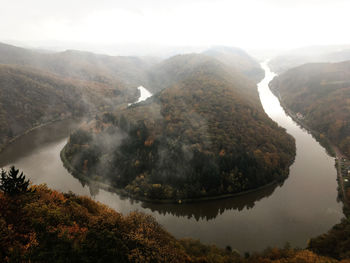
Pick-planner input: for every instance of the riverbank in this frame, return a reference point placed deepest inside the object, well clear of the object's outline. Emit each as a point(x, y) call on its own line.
point(124, 193)
point(12, 140)
point(325, 142)
point(331, 149)
point(283, 214)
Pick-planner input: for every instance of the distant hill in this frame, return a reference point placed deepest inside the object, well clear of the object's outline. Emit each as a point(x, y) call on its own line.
point(239, 59)
point(321, 93)
point(315, 54)
point(204, 134)
point(170, 71)
point(120, 75)
point(130, 71)
point(179, 67)
point(29, 98)
point(38, 87)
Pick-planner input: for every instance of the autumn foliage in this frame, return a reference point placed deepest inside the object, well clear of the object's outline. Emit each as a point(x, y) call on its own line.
point(48, 226)
point(204, 135)
point(320, 92)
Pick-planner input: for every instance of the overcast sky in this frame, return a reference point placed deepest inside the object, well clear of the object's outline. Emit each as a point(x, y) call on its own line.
point(244, 23)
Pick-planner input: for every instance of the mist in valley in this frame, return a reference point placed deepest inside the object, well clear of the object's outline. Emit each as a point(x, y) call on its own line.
point(174, 131)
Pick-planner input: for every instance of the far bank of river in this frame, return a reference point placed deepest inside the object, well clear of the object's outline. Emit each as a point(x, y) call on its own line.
point(330, 148)
point(303, 207)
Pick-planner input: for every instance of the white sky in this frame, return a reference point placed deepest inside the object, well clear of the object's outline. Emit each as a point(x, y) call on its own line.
point(244, 23)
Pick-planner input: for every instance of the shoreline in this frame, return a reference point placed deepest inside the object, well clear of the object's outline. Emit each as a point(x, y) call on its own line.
point(12, 140)
point(331, 149)
point(123, 193)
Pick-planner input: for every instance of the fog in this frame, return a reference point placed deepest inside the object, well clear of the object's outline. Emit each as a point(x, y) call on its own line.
point(142, 27)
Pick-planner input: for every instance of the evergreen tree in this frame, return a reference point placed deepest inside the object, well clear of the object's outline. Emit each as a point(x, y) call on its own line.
point(13, 183)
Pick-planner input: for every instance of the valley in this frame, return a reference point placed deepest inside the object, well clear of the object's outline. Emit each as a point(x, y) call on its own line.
point(308, 195)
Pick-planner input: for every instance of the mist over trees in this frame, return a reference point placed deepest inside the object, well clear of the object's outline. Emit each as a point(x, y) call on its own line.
point(204, 134)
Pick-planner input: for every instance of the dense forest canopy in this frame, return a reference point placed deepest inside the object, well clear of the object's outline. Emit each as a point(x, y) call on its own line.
point(205, 134)
point(320, 92)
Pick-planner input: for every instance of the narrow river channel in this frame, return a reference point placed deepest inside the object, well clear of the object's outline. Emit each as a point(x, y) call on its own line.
point(303, 207)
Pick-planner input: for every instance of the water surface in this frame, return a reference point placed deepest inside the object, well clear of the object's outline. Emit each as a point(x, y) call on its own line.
point(303, 207)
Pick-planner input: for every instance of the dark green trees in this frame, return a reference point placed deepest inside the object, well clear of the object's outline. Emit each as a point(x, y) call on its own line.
point(13, 183)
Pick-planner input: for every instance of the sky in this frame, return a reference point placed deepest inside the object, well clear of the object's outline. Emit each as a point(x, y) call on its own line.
point(261, 24)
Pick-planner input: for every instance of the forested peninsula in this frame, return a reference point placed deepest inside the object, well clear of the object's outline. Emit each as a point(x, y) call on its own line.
point(203, 134)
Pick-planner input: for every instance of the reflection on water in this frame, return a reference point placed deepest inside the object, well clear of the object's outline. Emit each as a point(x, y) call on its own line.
point(38, 138)
point(209, 210)
point(303, 207)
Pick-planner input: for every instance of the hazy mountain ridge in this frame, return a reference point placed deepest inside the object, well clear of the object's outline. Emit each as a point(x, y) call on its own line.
point(239, 59)
point(38, 87)
point(316, 54)
point(320, 92)
point(128, 71)
point(205, 134)
point(236, 60)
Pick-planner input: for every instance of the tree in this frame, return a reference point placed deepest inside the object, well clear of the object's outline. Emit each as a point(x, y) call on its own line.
point(13, 183)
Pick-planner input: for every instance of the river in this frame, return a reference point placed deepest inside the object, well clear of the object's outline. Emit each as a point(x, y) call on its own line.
point(304, 206)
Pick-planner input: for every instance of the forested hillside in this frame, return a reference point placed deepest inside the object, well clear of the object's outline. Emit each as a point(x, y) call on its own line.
point(97, 82)
point(111, 70)
point(29, 98)
point(38, 224)
point(36, 88)
point(321, 93)
point(170, 71)
point(204, 135)
point(239, 59)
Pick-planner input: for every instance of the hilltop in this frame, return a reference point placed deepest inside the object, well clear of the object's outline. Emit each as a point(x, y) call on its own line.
point(239, 59)
point(204, 134)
